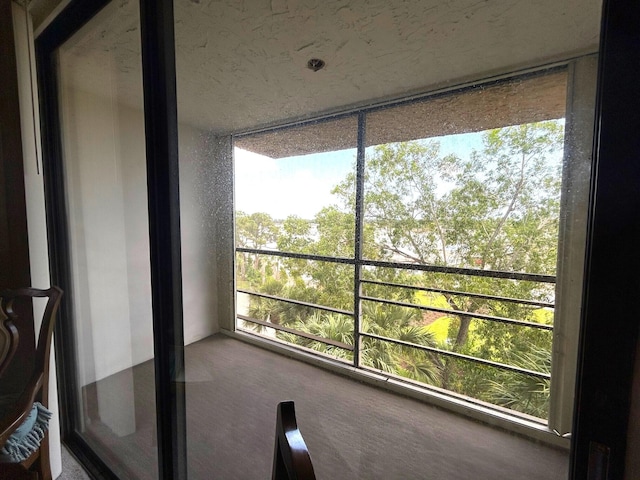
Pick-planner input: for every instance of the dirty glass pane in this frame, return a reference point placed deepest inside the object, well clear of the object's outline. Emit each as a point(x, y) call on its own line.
point(470, 160)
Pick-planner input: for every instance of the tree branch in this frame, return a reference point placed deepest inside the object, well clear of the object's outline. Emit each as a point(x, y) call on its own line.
point(404, 254)
point(510, 208)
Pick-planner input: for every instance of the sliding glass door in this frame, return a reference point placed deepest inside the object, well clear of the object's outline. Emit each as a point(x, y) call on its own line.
point(115, 234)
point(390, 195)
point(104, 173)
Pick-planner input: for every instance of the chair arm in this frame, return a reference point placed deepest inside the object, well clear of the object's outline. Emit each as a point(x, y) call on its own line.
point(22, 407)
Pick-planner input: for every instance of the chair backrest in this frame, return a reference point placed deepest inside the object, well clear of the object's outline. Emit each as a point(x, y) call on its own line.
point(291, 459)
point(9, 337)
point(35, 463)
point(10, 331)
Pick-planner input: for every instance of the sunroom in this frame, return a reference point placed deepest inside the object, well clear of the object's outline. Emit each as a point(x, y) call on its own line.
point(380, 211)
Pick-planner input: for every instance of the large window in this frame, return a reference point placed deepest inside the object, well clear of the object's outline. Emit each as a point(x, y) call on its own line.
point(418, 240)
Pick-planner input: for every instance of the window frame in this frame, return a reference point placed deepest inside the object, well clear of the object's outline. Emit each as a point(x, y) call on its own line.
point(577, 145)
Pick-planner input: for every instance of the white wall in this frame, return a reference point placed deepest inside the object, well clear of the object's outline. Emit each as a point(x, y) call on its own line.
point(106, 172)
point(200, 218)
point(36, 222)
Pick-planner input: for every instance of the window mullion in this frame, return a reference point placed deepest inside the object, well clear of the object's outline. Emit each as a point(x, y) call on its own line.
point(359, 228)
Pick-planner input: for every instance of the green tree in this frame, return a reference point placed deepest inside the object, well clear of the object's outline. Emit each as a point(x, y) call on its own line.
point(495, 209)
point(257, 231)
point(399, 323)
point(386, 320)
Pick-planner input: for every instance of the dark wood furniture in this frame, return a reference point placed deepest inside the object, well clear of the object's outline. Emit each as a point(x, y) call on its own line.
point(18, 405)
point(291, 459)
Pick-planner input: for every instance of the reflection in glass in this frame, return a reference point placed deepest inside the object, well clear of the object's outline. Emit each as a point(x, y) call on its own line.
point(105, 176)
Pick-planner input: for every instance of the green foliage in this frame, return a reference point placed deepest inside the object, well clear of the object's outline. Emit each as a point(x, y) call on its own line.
point(255, 231)
point(399, 323)
point(440, 329)
point(521, 392)
point(329, 326)
point(496, 209)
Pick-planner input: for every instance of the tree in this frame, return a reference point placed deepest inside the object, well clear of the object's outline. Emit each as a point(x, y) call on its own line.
point(497, 209)
point(390, 321)
point(494, 209)
point(257, 231)
point(400, 323)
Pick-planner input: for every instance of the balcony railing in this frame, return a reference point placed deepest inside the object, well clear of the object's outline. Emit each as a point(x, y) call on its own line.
point(442, 355)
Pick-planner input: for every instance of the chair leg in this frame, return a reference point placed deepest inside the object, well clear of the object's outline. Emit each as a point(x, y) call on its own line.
point(44, 466)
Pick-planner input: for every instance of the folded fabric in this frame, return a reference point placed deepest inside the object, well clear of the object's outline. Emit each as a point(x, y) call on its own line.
point(27, 437)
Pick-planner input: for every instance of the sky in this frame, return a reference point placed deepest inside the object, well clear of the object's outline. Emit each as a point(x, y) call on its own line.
point(302, 185)
point(299, 185)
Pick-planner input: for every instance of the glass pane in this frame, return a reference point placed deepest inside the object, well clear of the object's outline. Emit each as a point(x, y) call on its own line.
point(468, 181)
point(303, 312)
point(290, 187)
point(274, 99)
point(105, 177)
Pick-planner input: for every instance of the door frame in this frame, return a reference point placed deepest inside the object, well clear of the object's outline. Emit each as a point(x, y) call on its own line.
point(161, 142)
point(609, 331)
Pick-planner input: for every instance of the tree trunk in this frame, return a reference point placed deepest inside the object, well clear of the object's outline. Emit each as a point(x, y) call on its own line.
point(460, 341)
point(463, 332)
point(465, 323)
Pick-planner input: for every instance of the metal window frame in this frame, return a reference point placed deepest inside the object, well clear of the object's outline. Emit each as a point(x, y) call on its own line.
point(358, 261)
point(161, 141)
point(608, 342)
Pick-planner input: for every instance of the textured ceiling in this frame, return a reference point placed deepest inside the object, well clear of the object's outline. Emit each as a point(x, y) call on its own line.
point(242, 64)
point(514, 102)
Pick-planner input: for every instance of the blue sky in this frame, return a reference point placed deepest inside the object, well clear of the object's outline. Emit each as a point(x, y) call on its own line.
point(301, 185)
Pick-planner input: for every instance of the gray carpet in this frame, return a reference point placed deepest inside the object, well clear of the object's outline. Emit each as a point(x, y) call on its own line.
point(353, 431)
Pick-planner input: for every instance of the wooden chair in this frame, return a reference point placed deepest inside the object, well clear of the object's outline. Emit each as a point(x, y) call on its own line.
point(291, 459)
point(17, 407)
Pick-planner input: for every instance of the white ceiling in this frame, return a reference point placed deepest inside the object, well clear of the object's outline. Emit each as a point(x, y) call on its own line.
point(241, 64)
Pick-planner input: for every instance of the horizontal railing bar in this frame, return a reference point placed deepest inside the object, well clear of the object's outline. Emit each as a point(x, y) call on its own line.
point(297, 302)
point(301, 256)
point(460, 356)
point(474, 272)
point(464, 294)
point(481, 316)
point(310, 336)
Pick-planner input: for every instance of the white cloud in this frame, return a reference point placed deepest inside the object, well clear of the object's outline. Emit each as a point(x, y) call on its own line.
point(282, 188)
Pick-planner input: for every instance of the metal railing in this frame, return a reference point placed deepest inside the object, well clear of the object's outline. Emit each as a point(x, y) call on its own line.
point(359, 297)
